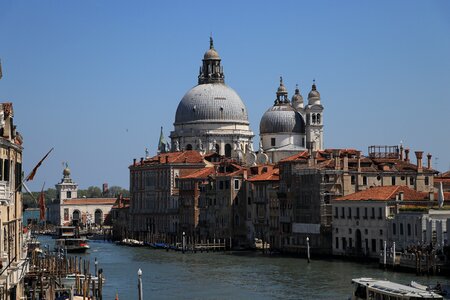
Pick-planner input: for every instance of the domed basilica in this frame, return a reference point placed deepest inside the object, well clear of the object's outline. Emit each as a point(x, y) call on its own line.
point(211, 117)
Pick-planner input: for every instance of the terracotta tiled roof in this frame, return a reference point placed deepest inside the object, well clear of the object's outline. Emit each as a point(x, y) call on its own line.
point(385, 193)
point(299, 156)
point(272, 175)
point(200, 173)
point(93, 201)
point(190, 156)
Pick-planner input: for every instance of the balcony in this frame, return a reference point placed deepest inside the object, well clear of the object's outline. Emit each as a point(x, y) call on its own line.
point(5, 193)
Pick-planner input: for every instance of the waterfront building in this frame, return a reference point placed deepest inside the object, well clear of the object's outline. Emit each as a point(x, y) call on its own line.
point(265, 213)
point(69, 209)
point(365, 220)
point(213, 204)
point(154, 193)
point(211, 116)
point(13, 250)
point(283, 130)
point(310, 180)
point(120, 218)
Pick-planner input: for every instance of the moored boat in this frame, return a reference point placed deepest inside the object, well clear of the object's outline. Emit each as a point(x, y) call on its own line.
point(369, 288)
point(72, 245)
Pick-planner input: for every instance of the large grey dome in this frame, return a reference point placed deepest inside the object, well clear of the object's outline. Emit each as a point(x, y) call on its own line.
point(211, 102)
point(282, 118)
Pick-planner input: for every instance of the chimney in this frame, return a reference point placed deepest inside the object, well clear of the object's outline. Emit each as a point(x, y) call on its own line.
point(400, 196)
point(401, 152)
point(142, 160)
point(419, 155)
point(407, 155)
point(429, 160)
point(337, 160)
point(134, 161)
point(431, 196)
point(167, 159)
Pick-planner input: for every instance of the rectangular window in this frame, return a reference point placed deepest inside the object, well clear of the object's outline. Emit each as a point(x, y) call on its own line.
point(365, 212)
point(373, 213)
point(221, 185)
point(427, 180)
point(411, 180)
point(381, 244)
point(337, 243)
point(343, 212)
point(227, 185)
point(374, 245)
point(349, 213)
point(350, 242)
point(69, 194)
point(401, 228)
point(6, 170)
point(357, 213)
point(66, 214)
point(393, 180)
point(380, 213)
point(336, 213)
point(236, 184)
point(364, 180)
point(272, 142)
point(409, 229)
point(394, 229)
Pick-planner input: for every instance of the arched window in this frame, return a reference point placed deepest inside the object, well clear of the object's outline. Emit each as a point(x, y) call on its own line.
point(314, 118)
point(98, 216)
point(76, 215)
point(188, 147)
point(318, 118)
point(217, 148)
point(228, 150)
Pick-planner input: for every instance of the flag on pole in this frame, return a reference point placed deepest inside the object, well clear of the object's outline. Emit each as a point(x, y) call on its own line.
point(33, 172)
point(42, 205)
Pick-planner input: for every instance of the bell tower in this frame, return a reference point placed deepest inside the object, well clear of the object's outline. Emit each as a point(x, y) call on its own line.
point(314, 120)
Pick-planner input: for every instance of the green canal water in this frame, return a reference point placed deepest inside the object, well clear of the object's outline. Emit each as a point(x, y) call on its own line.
point(173, 275)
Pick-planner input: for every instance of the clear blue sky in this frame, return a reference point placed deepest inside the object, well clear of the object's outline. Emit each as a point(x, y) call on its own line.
point(97, 79)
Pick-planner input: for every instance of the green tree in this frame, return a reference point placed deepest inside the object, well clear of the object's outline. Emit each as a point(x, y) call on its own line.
point(115, 190)
point(93, 192)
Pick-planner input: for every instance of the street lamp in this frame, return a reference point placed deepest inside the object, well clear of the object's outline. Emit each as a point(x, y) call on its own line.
point(141, 294)
point(307, 248)
point(184, 242)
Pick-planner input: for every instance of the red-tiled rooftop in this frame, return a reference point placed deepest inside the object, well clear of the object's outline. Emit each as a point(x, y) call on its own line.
point(93, 201)
point(271, 175)
point(189, 156)
point(200, 173)
point(385, 193)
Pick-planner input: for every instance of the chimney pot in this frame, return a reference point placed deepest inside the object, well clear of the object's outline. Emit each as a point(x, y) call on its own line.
point(429, 160)
point(134, 161)
point(407, 155)
point(419, 155)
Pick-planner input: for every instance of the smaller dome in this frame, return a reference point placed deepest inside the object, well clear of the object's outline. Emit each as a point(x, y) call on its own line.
point(314, 95)
point(297, 97)
point(211, 54)
point(282, 118)
point(281, 89)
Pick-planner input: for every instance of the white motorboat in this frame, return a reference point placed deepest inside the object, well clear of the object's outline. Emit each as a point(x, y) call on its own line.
point(371, 289)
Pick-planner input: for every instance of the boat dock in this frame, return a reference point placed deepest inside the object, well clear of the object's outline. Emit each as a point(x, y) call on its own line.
point(57, 276)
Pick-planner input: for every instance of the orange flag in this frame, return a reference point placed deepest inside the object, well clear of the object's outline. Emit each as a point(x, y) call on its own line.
point(33, 172)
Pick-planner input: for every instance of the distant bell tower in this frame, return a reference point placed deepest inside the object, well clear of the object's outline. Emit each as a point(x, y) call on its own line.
point(314, 120)
point(67, 188)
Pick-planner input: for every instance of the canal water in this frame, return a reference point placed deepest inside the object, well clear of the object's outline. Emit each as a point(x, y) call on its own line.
point(173, 275)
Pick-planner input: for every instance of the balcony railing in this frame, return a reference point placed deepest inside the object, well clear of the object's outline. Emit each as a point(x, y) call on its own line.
point(5, 192)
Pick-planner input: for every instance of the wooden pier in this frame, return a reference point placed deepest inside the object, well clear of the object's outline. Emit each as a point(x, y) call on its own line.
point(57, 276)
